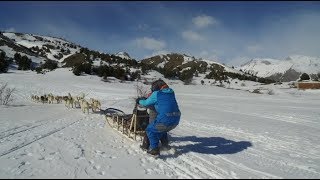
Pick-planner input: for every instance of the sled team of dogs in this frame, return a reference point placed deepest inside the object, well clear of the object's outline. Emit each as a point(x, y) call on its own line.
point(70, 101)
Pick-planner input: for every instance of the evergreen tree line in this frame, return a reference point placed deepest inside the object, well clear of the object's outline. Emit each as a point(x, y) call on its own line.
point(4, 63)
point(24, 63)
point(217, 72)
point(105, 71)
point(305, 76)
point(112, 59)
point(49, 64)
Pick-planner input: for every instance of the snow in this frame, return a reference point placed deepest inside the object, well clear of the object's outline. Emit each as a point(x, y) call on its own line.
point(123, 55)
point(28, 41)
point(10, 35)
point(185, 69)
point(187, 58)
point(223, 133)
point(227, 69)
point(25, 40)
point(155, 75)
point(264, 67)
point(10, 53)
point(72, 52)
point(53, 52)
point(97, 62)
point(54, 39)
point(162, 64)
point(306, 63)
point(8, 50)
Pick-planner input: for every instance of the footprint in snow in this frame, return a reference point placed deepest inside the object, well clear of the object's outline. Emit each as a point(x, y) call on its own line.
point(148, 171)
point(49, 158)
point(23, 163)
point(96, 167)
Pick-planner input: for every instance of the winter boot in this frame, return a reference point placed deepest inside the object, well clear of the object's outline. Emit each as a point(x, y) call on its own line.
point(165, 142)
point(154, 152)
point(145, 143)
point(144, 147)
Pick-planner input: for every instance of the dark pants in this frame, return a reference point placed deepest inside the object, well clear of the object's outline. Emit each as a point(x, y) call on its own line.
point(164, 140)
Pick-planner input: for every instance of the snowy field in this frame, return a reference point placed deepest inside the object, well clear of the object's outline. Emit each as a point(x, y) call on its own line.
point(223, 133)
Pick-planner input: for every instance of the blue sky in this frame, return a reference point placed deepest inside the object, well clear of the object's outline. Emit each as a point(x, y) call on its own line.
point(228, 32)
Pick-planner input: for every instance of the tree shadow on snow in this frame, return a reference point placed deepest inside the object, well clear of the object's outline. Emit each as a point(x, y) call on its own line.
point(208, 145)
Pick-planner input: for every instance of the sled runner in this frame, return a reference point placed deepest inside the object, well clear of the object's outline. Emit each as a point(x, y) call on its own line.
point(130, 125)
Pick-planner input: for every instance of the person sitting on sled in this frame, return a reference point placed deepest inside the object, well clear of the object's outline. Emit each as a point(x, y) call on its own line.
point(168, 113)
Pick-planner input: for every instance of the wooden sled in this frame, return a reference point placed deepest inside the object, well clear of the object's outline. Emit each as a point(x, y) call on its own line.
point(130, 125)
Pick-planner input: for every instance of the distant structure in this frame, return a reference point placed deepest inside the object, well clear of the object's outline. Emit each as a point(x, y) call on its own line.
point(308, 85)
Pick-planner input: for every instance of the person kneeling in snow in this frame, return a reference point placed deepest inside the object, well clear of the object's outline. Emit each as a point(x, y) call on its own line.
point(152, 116)
point(168, 113)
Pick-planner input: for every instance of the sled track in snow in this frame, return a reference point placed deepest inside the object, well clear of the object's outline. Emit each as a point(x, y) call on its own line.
point(22, 129)
point(279, 144)
point(304, 120)
point(34, 140)
point(190, 166)
point(194, 166)
point(280, 164)
point(32, 134)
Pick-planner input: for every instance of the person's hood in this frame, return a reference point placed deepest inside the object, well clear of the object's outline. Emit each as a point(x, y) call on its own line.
point(167, 90)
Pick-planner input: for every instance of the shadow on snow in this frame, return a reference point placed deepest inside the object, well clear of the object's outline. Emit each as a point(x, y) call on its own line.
point(208, 145)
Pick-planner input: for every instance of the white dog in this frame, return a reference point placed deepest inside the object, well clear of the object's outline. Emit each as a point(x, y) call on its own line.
point(50, 98)
point(96, 105)
point(84, 105)
point(76, 101)
point(68, 100)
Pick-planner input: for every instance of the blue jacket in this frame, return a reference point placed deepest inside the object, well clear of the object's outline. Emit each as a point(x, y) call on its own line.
point(166, 106)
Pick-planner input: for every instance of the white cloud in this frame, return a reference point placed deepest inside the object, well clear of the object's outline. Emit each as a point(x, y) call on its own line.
point(298, 35)
point(10, 30)
point(254, 48)
point(150, 43)
point(155, 53)
point(204, 21)
point(160, 52)
point(238, 61)
point(203, 53)
point(209, 55)
point(191, 36)
point(143, 27)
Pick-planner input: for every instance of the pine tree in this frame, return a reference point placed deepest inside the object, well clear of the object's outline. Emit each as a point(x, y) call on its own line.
point(304, 76)
point(4, 64)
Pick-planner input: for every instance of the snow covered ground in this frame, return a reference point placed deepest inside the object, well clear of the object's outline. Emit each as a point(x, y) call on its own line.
point(224, 133)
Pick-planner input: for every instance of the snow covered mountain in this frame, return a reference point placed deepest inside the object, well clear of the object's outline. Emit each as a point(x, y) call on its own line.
point(43, 53)
point(182, 63)
point(123, 55)
point(37, 48)
point(288, 69)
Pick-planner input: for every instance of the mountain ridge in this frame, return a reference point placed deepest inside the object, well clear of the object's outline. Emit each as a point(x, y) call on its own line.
point(41, 48)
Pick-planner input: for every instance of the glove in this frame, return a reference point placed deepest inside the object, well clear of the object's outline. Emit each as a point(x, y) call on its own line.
point(140, 98)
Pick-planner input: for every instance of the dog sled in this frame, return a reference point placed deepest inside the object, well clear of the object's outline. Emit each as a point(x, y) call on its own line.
point(130, 125)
